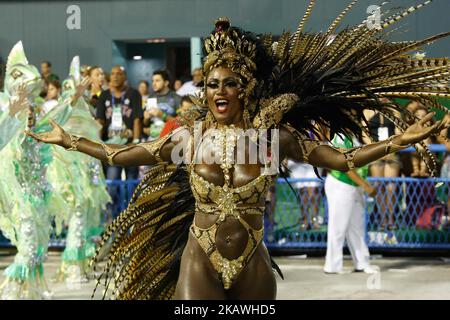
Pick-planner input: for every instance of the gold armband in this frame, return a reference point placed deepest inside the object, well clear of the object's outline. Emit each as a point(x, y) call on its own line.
point(307, 145)
point(154, 147)
point(74, 141)
point(349, 155)
point(390, 143)
point(273, 110)
point(111, 152)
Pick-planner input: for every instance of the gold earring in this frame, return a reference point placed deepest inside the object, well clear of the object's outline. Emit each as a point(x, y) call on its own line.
point(246, 117)
point(209, 119)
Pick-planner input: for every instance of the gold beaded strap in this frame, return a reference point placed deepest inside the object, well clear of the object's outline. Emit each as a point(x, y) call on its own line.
point(74, 141)
point(349, 155)
point(273, 110)
point(307, 145)
point(112, 152)
point(154, 147)
point(390, 143)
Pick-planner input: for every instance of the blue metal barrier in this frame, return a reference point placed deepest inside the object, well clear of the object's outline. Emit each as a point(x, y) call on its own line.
point(121, 192)
point(433, 148)
point(302, 224)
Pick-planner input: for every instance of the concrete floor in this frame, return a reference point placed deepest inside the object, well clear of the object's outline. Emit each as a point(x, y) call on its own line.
point(399, 278)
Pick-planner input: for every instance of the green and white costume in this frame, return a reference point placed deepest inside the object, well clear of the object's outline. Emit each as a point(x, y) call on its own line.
point(78, 179)
point(25, 192)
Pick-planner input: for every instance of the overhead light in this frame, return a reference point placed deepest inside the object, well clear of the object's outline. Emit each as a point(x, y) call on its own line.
point(137, 57)
point(157, 40)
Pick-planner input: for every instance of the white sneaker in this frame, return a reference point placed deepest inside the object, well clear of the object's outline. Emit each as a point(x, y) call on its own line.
point(337, 272)
point(369, 269)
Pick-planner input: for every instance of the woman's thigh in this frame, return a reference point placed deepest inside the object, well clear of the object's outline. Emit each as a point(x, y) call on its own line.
point(257, 279)
point(197, 280)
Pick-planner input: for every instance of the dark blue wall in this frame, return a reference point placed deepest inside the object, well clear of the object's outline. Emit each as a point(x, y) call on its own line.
point(42, 24)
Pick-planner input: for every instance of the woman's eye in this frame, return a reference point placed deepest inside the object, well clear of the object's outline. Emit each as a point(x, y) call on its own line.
point(231, 84)
point(212, 85)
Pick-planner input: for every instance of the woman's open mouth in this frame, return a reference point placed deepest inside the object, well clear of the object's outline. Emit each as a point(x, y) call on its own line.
point(222, 105)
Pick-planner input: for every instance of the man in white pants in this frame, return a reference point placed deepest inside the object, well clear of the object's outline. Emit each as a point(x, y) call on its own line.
point(345, 196)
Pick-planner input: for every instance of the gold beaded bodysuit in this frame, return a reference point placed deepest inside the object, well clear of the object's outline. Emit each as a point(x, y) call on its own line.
point(227, 201)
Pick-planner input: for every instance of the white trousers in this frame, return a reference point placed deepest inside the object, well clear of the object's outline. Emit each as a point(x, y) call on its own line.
point(345, 222)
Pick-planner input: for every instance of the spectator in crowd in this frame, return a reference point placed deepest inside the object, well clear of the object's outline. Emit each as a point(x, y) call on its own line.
point(53, 90)
point(143, 90)
point(162, 105)
point(97, 83)
point(177, 85)
point(387, 167)
point(46, 72)
point(418, 195)
point(172, 124)
point(194, 86)
point(47, 76)
point(345, 196)
point(51, 95)
point(119, 111)
point(308, 193)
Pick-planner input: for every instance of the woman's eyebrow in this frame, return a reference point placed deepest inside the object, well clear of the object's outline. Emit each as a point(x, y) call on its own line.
point(226, 79)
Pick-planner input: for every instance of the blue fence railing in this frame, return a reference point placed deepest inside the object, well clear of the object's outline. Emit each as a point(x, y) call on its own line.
point(405, 213)
point(438, 148)
point(398, 217)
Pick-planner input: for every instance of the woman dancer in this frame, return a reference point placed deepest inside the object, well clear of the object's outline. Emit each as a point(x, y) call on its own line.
point(204, 241)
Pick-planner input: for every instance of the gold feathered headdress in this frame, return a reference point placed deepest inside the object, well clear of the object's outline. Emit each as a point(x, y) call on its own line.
point(225, 47)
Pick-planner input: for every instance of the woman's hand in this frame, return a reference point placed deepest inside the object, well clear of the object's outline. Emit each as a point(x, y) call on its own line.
point(419, 131)
point(57, 136)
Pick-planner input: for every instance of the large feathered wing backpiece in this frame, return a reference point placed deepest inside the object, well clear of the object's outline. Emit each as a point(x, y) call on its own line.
point(337, 75)
point(148, 238)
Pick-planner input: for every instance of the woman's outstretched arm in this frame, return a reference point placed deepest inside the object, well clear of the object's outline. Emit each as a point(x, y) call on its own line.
point(325, 156)
point(146, 153)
